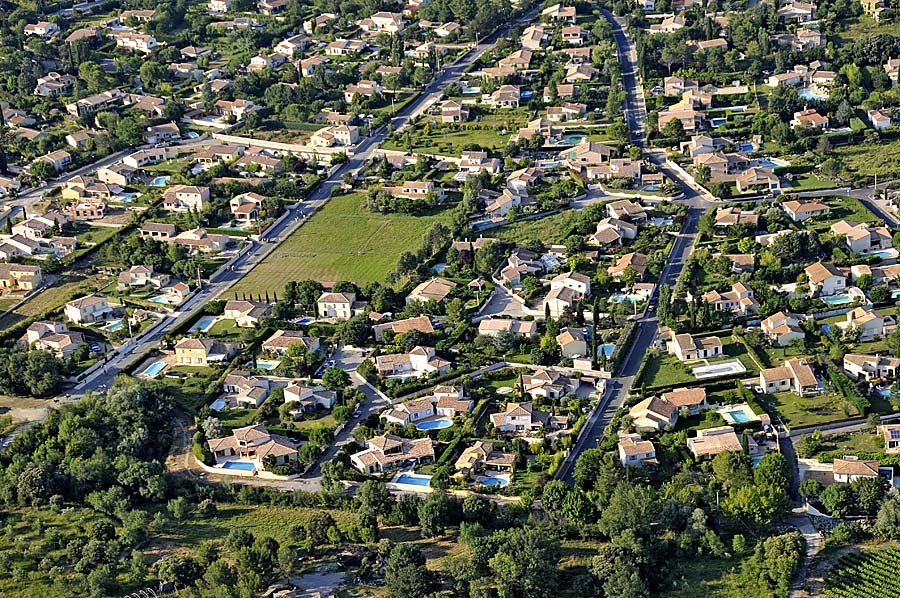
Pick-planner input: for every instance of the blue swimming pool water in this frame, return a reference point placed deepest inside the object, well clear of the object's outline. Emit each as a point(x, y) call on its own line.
point(160, 299)
point(826, 329)
point(471, 90)
point(159, 181)
point(154, 368)
point(715, 122)
point(572, 139)
point(738, 417)
point(263, 364)
point(434, 424)
point(806, 94)
point(765, 163)
point(415, 480)
point(490, 481)
point(883, 253)
point(218, 405)
point(241, 465)
point(756, 461)
point(884, 392)
point(112, 327)
point(837, 300)
point(527, 94)
point(744, 147)
point(203, 324)
point(304, 321)
point(619, 298)
point(606, 349)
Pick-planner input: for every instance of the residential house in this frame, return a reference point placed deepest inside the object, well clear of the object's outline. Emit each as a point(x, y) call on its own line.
point(409, 412)
point(635, 452)
point(635, 261)
point(533, 37)
point(524, 418)
point(246, 314)
point(344, 135)
point(862, 238)
point(418, 362)
point(87, 310)
point(825, 279)
point(518, 328)
point(341, 306)
point(612, 231)
point(246, 390)
point(52, 336)
point(879, 120)
point(685, 347)
point(739, 300)
point(782, 328)
point(712, 441)
point(573, 342)
point(735, 216)
point(558, 13)
point(159, 231)
point(891, 434)
point(146, 157)
point(53, 85)
point(435, 289)
point(473, 162)
point(185, 198)
point(868, 323)
point(162, 133)
point(292, 45)
point(387, 22)
point(202, 352)
point(310, 398)
point(795, 376)
point(19, 277)
point(363, 90)
point(198, 240)
point(801, 210)
point(345, 47)
point(549, 384)
point(809, 118)
point(42, 29)
point(851, 468)
point(653, 414)
point(141, 276)
point(132, 40)
point(118, 174)
point(453, 112)
point(482, 456)
point(870, 367)
point(506, 96)
point(687, 400)
point(384, 453)
point(245, 207)
point(625, 209)
point(59, 160)
point(256, 444)
point(282, 340)
point(419, 323)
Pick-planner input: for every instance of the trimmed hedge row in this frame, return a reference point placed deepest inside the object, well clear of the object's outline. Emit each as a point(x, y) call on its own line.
point(848, 389)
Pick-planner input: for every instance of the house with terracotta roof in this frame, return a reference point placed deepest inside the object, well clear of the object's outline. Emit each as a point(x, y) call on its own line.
point(868, 323)
point(482, 457)
point(879, 120)
point(739, 300)
point(733, 215)
point(625, 209)
point(52, 336)
point(506, 96)
point(419, 323)
point(420, 361)
point(341, 306)
point(612, 231)
point(558, 13)
point(87, 310)
point(309, 397)
point(384, 453)
point(800, 210)
point(653, 414)
point(203, 352)
point(871, 367)
point(282, 340)
point(549, 384)
point(862, 238)
point(690, 399)
point(795, 376)
point(246, 314)
point(712, 441)
point(435, 289)
point(781, 328)
point(573, 342)
point(254, 444)
point(19, 277)
point(825, 279)
point(633, 260)
point(850, 468)
point(525, 418)
point(409, 412)
point(141, 276)
point(635, 452)
point(518, 328)
point(686, 348)
point(243, 389)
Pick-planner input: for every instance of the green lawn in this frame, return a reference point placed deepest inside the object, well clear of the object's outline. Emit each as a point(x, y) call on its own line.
point(865, 26)
point(550, 229)
point(225, 328)
point(799, 412)
point(342, 241)
point(867, 159)
point(865, 441)
point(664, 369)
point(810, 183)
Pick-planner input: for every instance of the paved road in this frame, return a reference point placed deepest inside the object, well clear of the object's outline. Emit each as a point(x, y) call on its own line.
point(253, 255)
point(619, 387)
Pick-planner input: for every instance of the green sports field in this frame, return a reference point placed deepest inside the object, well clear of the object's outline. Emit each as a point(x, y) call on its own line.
point(342, 241)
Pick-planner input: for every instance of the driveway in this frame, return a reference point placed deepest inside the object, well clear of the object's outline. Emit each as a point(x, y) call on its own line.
point(501, 303)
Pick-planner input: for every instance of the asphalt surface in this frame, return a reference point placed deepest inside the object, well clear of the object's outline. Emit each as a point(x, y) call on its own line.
point(102, 376)
point(647, 324)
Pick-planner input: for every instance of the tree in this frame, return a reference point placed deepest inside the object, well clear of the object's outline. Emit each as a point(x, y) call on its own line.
point(673, 129)
point(478, 509)
point(773, 470)
point(374, 496)
point(434, 514)
point(880, 294)
point(335, 379)
point(179, 508)
point(810, 488)
point(887, 524)
point(838, 500)
point(630, 507)
point(732, 469)
point(553, 497)
point(869, 493)
point(42, 170)
point(355, 331)
point(212, 427)
point(405, 574)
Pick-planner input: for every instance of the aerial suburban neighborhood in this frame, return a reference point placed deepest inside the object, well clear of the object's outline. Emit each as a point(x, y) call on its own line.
point(449, 298)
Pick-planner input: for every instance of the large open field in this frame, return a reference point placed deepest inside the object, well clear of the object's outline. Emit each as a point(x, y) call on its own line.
point(343, 241)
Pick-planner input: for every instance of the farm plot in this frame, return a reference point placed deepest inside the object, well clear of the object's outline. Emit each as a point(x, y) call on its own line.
point(342, 241)
point(870, 574)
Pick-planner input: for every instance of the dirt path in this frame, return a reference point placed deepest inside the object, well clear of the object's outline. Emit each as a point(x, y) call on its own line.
point(181, 459)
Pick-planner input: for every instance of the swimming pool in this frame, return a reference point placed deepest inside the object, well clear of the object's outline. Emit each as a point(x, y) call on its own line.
point(415, 480)
point(571, 139)
point(738, 417)
point(606, 349)
point(884, 392)
point(744, 147)
point(492, 481)
point(806, 94)
point(240, 465)
point(766, 163)
point(217, 405)
point(159, 299)
point(304, 321)
point(884, 253)
point(159, 181)
point(723, 368)
point(620, 297)
point(265, 364)
point(434, 424)
point(126, 197)
point(837, 300)
point(154, 368)
point(113, 326)
point(527, 93)
point(467, 91)
point(715, 122)
point(203, 324)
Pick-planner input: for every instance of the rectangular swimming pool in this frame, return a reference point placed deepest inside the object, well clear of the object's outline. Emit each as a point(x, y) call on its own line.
point(738, 417)
point(154, 368)
point(837, 300)
point(415, 480)
point(241, 465)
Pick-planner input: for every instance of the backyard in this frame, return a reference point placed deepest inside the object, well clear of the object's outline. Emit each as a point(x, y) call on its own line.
point(342, 241)
point(800, 412)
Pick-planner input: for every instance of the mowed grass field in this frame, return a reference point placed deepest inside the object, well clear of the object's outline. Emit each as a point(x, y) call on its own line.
point(342, 241)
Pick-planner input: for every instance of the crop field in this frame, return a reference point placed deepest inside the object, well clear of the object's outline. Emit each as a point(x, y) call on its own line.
point(342, 241)
point(869, 574)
